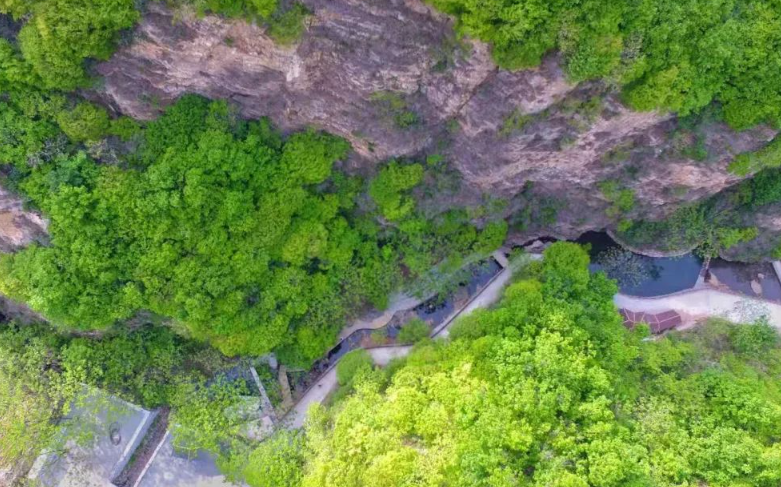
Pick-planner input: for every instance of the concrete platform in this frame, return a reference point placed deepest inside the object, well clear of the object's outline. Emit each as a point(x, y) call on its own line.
point(170, 469)
point(116, 428)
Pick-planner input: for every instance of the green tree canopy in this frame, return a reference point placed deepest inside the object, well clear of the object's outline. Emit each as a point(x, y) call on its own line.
point(548, 388)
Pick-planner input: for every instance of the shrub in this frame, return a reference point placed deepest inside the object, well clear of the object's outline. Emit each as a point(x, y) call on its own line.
point(514, 122)
point(352, 364)
point(393, 107)
point(753, 338)
point(287, 27)
point(85, 123)
point(414, 331)
point(386, 189)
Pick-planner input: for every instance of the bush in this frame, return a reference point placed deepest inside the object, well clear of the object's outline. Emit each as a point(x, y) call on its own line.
point(393, 107)
point(287, 27)
point(386, 189)
point(352, 364)
point(753, 338)
point(84, 123)
point(248, 9)
point(414, 331)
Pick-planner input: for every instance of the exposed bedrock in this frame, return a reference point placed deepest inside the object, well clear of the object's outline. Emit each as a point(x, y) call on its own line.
point(499, 129)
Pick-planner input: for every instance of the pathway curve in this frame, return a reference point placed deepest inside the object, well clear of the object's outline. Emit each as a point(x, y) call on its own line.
point(691, 305)
point(327, 383)
point(398, 302)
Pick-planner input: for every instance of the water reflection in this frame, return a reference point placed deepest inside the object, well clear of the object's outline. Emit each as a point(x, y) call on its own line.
point(640, 275)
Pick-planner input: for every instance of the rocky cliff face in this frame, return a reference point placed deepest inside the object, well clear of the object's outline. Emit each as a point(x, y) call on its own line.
point(18, 227)
point(390, 76)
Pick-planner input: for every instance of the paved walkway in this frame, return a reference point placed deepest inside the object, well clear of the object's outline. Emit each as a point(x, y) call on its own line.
point(383, 355)
point(398, 302)
point(697, 304)
point(327, 384)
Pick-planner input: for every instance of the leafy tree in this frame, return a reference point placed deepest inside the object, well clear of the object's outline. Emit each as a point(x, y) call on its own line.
point(277, 462)
point(352, 364)
point(85, 122)
point(61, 34)
point(414, 331)
point(387, 189)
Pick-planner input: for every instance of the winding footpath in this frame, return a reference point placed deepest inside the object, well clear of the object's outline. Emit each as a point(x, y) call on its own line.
point(327, 383)
point(692, 305)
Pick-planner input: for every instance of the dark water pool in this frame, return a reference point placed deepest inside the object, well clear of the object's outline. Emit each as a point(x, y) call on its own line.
point(757, 280)
point(640, 275)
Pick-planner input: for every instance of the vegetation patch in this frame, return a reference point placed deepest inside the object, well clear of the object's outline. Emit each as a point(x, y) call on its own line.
point(394, 108)
point(626, 411)
point(717, 52)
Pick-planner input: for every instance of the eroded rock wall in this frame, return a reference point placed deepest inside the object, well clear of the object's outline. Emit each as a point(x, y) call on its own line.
point(18, 227)
point(355, 50)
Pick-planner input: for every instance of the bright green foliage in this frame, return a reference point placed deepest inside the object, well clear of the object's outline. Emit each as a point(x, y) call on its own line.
point(14, 71)
point(549, 389)
point(674, 55)
point(729, 237)
point(223, 230)
point(28, 134)
point(32, 395)
point(287, 26)
point(248, 9)
point(413, 331)
point(85, 122)
point(60, 34)
point(388, 188)
point(748, 162)
point(143, 366)
point(352, 364)
point(205, 415)
point(245, 239)
point(277, 462)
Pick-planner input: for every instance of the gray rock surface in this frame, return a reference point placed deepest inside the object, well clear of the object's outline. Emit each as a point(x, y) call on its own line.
point(354, 50)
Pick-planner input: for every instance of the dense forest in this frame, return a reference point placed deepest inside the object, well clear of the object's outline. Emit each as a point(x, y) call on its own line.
point(679, 56)
point(549, 389)
point(181, 246)
point(249, 240)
